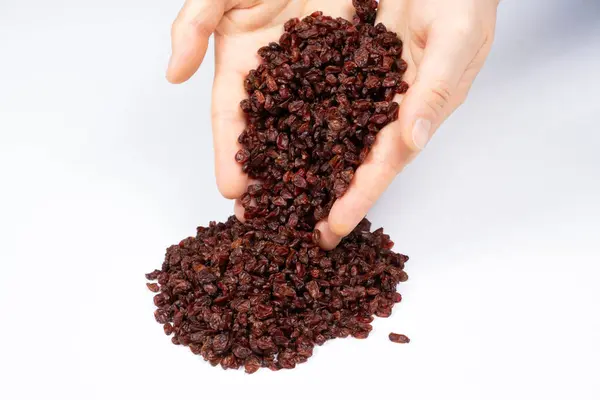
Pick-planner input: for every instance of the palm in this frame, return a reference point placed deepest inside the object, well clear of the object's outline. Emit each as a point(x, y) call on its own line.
point(238, 36)
point(445, 45)
point(243, 30)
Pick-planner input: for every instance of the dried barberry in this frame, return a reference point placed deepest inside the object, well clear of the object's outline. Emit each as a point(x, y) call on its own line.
point(398, 338)
point(262, 293)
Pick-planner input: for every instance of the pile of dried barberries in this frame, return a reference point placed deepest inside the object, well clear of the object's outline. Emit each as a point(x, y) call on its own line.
point(262, 293)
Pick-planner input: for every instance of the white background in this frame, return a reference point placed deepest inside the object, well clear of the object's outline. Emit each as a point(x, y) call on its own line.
point(103, 164)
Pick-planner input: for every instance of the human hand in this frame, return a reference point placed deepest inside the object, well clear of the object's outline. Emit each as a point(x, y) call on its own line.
point(240, 27)
point(445, 45)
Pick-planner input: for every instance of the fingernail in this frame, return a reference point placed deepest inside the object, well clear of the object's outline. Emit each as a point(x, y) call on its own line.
point(421, 133)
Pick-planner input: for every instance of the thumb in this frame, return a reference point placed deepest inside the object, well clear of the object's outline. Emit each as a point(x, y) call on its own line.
point(434, 95)
point(196, 21)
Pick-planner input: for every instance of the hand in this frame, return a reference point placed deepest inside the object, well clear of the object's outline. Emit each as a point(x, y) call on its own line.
point(240, 27)
point(445, 42)
point(445, 45)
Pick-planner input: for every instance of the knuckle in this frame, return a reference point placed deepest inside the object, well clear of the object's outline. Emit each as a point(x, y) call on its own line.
point(196, 23)
point(439, 97)
point(199, 27)
point(418, 37)
point(441, 92)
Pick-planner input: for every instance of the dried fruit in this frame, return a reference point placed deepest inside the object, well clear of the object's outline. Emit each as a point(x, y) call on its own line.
point(153, 287)
point(398, 338)
point(262, 294)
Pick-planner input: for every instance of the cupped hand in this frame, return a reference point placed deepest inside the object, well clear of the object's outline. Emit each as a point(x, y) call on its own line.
point(240, 28)
point(445, 45)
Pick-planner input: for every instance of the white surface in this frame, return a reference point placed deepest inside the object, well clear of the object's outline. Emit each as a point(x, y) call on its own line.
point(103, 164)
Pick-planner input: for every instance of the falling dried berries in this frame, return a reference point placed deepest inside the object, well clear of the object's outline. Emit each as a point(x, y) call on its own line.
point(335, 93)
point(398, 338)
point(263, 294)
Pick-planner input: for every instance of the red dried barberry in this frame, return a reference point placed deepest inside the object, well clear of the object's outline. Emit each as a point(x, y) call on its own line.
point(398, 338)
point(262, 293)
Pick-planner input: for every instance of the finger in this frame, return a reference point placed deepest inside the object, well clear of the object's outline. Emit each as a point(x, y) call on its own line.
point(423, 108)
point(189, 37)
point(238, 210)
point(386, 159)
point(328, 239)
point(437, 91)
point(228, 122)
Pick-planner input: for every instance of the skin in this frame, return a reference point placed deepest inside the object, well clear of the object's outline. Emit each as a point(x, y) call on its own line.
point(445, 45)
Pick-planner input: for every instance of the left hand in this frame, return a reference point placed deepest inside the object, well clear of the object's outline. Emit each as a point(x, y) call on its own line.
point(445, 45)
